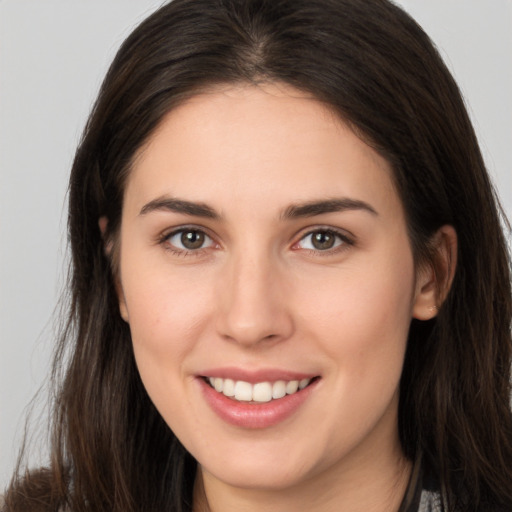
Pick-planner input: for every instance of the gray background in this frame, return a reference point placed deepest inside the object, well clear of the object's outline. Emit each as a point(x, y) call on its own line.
point(53, 55)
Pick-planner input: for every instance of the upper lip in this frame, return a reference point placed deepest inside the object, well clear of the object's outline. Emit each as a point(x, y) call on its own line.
point(256, 375)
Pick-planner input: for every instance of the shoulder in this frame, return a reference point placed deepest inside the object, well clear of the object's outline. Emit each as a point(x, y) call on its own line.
point(430, 498)
point(424, 492)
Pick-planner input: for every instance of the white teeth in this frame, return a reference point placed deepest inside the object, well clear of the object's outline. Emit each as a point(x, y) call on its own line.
point(292, 386)
point(303, 383)
point(218, 384)
point(229, 387)
point(259, 392)
point(243, 391)
point(279, 389)
point(262, 392)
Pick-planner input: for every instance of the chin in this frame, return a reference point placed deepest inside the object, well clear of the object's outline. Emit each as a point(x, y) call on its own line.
point(258, 475)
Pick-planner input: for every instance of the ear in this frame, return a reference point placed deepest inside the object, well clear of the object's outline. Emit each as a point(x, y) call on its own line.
point(107, 244)
point(102, 224)
point(434, 279)
point(107, 247)
point(123, 310)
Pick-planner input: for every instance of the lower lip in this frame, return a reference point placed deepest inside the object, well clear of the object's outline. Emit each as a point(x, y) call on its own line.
point(255, 415)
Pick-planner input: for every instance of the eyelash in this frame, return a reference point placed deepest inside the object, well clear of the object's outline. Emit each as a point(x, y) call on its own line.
point(165, 241)
point(342, 241)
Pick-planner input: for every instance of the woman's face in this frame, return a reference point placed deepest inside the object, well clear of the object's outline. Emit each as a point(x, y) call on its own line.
point(264, 248)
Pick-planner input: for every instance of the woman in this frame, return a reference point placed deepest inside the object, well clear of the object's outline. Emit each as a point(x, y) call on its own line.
point(290, 285)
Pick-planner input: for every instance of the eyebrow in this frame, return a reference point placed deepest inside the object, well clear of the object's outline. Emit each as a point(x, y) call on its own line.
point(313, 208)
point(180, 206)
point(294, 211)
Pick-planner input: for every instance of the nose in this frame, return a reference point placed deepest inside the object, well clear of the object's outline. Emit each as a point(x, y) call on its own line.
point(252, 305)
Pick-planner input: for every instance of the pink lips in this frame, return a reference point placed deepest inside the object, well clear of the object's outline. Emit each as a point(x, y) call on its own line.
point(255, 415)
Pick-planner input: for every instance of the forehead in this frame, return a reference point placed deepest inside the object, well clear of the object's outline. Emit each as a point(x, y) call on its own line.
point(247, 141)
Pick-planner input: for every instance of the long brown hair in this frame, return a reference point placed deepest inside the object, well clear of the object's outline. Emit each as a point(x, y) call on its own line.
point(374, 66)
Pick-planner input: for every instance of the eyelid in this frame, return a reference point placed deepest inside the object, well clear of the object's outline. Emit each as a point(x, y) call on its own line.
point(347, 239)
point(166, 235)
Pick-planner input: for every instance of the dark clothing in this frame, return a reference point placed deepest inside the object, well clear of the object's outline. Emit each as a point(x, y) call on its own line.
point(423, 492)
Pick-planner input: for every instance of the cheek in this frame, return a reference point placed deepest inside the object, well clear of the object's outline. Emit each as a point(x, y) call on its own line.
point(166, 314)
point(361, 321)
point(367, 306)
point(164, 329)
point(162, 303)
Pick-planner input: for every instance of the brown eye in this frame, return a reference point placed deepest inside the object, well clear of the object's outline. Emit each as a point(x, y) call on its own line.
point(323, 240)
point(192, 239)
point(189, 240)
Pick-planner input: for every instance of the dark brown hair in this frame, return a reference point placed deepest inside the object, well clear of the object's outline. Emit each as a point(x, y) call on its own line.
point(375, 67)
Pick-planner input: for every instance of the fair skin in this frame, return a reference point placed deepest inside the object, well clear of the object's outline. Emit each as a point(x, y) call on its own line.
point(262, 241)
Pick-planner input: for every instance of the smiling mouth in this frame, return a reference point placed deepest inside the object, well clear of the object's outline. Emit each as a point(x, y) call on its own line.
point(260, 392)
